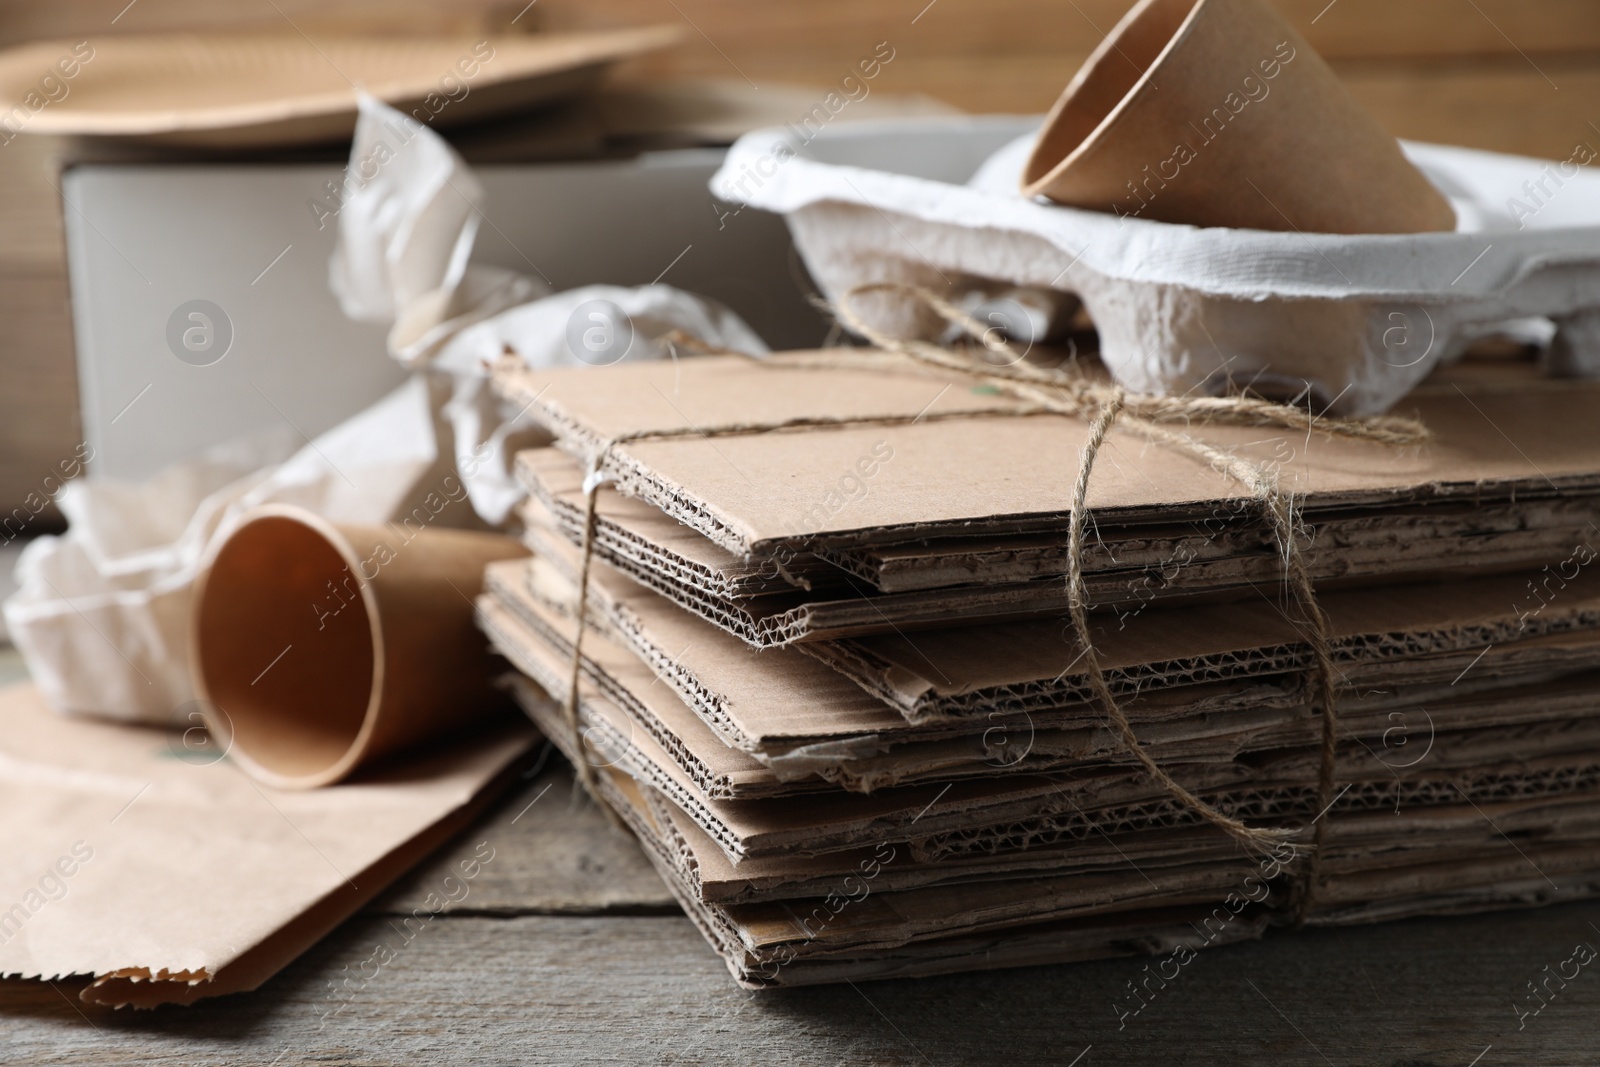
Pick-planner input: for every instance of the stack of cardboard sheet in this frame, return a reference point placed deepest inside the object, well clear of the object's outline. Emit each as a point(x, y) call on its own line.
point(829, 681)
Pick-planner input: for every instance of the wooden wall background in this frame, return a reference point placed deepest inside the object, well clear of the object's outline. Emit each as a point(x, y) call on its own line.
point(1514, 75)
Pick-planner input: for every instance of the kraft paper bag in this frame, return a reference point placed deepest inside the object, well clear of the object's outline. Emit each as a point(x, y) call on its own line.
point(146, 859)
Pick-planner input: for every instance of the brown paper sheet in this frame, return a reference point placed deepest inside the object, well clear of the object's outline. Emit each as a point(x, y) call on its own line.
point(171, 876)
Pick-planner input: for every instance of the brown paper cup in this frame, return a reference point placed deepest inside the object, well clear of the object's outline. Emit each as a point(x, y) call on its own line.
point(1217, 113)
point(318, 648)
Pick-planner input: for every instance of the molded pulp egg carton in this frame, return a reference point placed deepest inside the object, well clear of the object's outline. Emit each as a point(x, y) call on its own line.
point(1356, 320)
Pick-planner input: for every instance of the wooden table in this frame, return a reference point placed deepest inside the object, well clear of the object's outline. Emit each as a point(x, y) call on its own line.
point(570, 950)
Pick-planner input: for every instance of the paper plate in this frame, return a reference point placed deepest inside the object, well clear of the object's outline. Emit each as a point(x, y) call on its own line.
point(235, 90)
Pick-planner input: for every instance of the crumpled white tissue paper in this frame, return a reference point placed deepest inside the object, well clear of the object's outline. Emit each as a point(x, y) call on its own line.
point(404, 239)
point(102, 612)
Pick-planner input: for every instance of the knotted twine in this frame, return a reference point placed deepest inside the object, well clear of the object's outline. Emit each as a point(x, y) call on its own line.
point(1070, 392)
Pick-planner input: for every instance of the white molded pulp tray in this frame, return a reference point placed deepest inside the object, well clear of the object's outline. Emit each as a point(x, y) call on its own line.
point(1355, 320)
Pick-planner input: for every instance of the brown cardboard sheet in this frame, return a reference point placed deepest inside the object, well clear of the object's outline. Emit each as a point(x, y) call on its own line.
point(862, 762)
point(780, 618)
point(947, 461)
point(825, 821)
point(1024, 810)
point(1123, 567)
point(1491, 628)
point(709, 877)
point(639, 706)
point(860, 926)
point(1185, 726)
point(1469, 708)
point(1419, 541)
point(775, 702)
point(1433, 630)
point(793, 598)
point(803, 726)
point(763, 953)
point(1359, 840)
point(645, 536)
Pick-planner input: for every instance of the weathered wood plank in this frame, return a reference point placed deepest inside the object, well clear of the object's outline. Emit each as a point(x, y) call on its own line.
point(1343, 28)
point(1504, 105)
point(21, 20)
point(821, 29)
point(553, 853)
point(647, 990)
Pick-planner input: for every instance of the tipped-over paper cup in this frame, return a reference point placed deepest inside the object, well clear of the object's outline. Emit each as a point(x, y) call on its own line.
point(1217, 113)
point(318, 648)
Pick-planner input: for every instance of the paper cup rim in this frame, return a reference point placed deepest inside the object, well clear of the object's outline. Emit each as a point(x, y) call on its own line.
point(220, 725)
point(1097, 136)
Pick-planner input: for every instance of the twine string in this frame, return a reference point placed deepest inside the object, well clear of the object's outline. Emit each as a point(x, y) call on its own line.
point(1258, 838)
point(1144, 415)
point(1041, 390)
point(569, 706)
